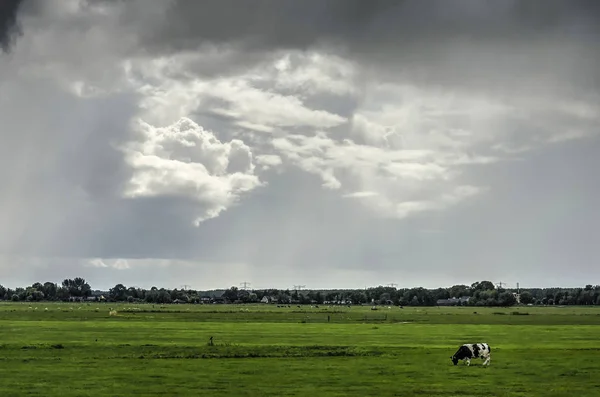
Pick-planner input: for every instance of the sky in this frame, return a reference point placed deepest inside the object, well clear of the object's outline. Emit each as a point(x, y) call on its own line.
point(325, 143)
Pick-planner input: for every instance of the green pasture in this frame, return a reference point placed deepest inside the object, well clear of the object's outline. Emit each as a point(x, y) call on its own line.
point(77, 349)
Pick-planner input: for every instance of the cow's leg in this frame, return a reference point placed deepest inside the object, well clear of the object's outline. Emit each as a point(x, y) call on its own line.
point(468, 361)
point(487, 360)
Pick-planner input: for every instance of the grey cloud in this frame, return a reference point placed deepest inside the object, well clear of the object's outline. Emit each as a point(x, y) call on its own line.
point(293, 24)
point(9, 26)
point(57, 165)
point(504, 47)
point(256, 24)
point(491, 43)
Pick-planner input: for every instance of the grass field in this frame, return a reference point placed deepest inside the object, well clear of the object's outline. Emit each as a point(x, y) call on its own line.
point(263, 350)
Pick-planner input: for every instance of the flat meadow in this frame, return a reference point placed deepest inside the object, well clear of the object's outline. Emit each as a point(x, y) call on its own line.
point(80, 349)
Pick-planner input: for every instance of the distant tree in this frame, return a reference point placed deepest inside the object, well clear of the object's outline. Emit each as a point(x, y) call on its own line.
point(358, 297)
point(151, 296)
point(37, 296)
point(304, 299)
point(457, 291)
point(133, 292)
point(383, 298)
point(442, 293)
point(482, 293)
point(163, 296)
point(21, 293)
point(118, 292)
point(587, 297)
point(329, 296)
point(526, 297)
point(283, 298)
point(62, 293)
point(506, 299)
point(50, 289)
point(231, 294)
point(483, 286)
point(319, 297)
point(77, 287)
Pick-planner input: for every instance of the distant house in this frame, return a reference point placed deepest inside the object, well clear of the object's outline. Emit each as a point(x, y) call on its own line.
point(517, 297)
point(97, 296)
point(94, 298)
point(453, 301)
point(268, 299)
point(338, 302)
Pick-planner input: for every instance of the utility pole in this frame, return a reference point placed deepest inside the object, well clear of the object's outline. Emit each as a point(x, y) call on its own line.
point(245, 285)
point(299, 287)
point(186, 287)
point(500, 284)
point(392, 285)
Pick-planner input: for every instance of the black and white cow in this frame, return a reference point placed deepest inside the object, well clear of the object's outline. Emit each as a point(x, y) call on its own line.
point(472, 350)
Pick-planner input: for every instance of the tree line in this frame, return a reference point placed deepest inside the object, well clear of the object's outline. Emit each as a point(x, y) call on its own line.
point(481, 293)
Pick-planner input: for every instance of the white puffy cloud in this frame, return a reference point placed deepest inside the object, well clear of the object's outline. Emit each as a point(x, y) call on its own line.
point(170, 93)
point(408, 147)
point(268, 108)
point(446, 200)
point(119, 264)
point(312, 73)
point(360, 194)
point(184, 160)
point(390, 181)
point(267, 161)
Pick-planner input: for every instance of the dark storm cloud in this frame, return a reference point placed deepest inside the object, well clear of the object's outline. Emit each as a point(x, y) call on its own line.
point(359, 24)
point(9, 26)
point(265, 23)
point(499, 45)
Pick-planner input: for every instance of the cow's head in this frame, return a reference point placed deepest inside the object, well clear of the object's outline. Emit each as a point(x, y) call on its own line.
point(454, 359)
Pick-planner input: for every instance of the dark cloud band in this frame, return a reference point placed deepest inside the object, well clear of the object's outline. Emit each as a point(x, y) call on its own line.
point(9, 26)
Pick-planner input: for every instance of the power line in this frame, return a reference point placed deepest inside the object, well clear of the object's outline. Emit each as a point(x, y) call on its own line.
point(245, 285)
